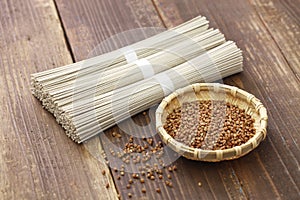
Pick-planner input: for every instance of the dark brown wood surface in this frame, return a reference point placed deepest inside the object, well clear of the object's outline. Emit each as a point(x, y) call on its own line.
point(37, 160)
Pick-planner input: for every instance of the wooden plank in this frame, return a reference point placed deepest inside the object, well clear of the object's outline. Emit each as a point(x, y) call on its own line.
point(89, 23)
point(37, 161)
point(269, 171)
point(88, 26)
point(281, 19)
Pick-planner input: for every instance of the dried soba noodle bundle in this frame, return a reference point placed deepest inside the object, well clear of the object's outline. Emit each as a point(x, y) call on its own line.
point(92, 95)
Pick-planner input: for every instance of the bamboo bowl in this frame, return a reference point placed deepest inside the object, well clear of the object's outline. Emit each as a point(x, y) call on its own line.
point(213, 91)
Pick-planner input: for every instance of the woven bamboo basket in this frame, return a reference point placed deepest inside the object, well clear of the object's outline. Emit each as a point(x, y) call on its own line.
point(213, 91)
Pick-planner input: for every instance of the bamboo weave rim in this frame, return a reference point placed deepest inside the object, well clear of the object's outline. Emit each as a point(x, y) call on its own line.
point(213, 91)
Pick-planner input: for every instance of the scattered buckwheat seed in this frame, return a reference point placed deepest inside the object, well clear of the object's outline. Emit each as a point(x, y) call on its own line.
point(199, 184)
point(129, 195)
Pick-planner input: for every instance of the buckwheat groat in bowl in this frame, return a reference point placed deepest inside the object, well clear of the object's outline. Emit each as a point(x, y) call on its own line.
point(211, 122)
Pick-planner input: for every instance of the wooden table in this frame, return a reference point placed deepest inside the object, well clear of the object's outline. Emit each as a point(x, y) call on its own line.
point(37, 160)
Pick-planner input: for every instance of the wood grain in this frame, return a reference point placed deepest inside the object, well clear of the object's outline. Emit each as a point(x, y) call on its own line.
point(37, 161)
point(281, 19)
point(88, 24)
point(271, 170)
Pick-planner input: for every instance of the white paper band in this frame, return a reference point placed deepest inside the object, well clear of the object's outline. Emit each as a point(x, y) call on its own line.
point(129, 54)
point(165, 82)
point(145, 67)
